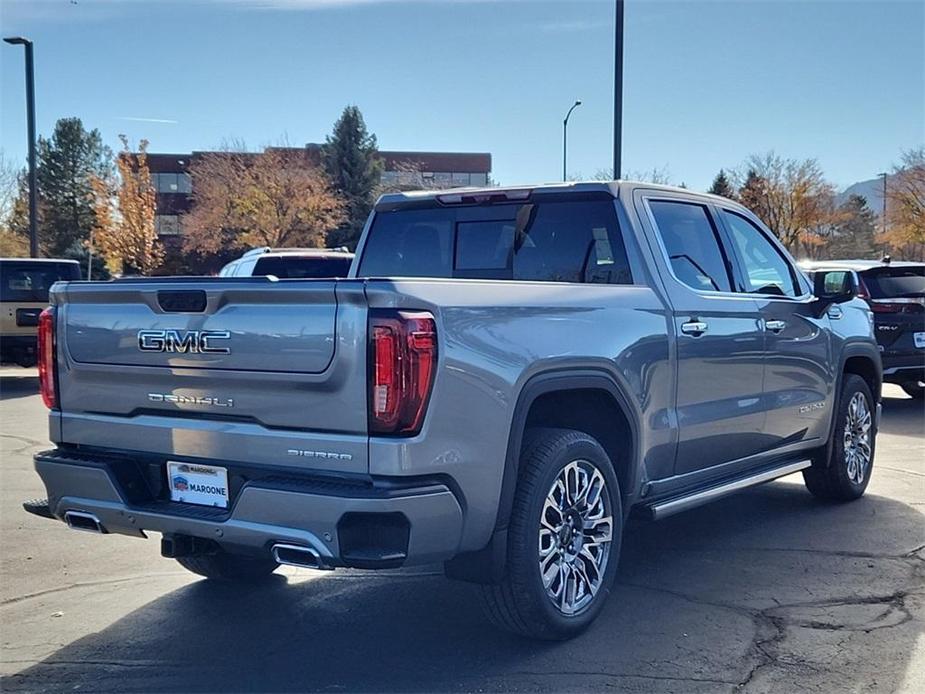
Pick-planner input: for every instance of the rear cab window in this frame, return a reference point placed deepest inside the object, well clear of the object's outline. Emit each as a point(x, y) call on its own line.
point(26, 281)
point(549, 239)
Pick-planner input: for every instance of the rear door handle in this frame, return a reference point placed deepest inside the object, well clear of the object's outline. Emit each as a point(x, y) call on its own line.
point(775, 326)
point(694, 327)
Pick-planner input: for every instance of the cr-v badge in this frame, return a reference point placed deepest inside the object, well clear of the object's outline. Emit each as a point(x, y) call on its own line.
point(192, 341)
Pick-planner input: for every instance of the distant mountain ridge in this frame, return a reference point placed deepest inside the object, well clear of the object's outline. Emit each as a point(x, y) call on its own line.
point(871, 190)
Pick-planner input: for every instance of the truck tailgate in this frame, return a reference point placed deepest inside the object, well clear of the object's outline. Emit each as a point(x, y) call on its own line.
point(250, 369)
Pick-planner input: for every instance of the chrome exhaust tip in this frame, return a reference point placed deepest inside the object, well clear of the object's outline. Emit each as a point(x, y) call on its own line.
point(80, 520)
point(299, 555)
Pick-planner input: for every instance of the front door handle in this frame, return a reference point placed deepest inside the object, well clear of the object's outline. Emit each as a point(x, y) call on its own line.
point(775, 326)
point(694, 327)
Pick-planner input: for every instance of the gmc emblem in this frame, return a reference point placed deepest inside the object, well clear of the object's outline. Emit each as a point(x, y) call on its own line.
point(191, 341)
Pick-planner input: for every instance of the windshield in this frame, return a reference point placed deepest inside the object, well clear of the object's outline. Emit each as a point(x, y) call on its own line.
point(302, 267)
point(895, 282)
point(25, 281)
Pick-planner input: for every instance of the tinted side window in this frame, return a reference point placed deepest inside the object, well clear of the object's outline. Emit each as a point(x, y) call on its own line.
point(766, 270)
point(692, 244)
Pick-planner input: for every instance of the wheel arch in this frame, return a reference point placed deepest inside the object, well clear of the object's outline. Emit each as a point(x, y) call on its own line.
point(862, 359)
point(541, 392)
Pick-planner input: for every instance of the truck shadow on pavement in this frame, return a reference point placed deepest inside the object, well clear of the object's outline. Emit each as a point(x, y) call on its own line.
point(20, 385)
point(770, 589)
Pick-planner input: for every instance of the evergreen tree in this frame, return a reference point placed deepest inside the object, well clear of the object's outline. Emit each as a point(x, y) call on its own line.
point(351, 159)
point(67, 162)
point(722, 186)
point(855, 233)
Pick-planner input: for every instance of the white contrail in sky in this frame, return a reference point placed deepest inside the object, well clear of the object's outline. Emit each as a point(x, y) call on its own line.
point(148, 120)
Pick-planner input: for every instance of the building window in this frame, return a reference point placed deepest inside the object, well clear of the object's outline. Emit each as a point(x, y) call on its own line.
point(443, 179)
point(478, 179)
point(460, 179)
point(172, 182)
point(167, 224)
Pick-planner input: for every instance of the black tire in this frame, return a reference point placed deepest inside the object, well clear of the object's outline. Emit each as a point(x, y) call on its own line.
point(830, 479)
point(914, 389)
point(229, 568)
point(520, 603)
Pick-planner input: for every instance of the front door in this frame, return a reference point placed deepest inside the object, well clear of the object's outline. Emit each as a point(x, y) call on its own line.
point(798, 361)
point(719, 338)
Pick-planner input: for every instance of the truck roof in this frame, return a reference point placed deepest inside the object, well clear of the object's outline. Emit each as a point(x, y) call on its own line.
point(521, 192)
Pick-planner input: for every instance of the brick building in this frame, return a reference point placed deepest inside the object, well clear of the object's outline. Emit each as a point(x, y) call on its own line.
point(171, 178)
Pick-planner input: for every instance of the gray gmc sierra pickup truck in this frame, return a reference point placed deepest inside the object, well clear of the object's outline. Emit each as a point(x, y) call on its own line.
point(504, 376)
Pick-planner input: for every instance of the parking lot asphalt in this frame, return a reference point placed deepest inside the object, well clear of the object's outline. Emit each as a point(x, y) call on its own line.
point(769, 590)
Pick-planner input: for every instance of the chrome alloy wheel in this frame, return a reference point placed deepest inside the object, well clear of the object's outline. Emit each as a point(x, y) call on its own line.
point(576, 529)
point(857, 438)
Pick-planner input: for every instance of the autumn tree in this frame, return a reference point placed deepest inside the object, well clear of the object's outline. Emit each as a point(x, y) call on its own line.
point(351, 159)
point(905, 203)
point(791, 196)
point(722, 186)
point(124, 209)
point(277, 198)
point(14, 210)
point(67, 163)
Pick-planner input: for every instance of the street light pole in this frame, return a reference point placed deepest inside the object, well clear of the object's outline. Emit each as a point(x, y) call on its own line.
point(618, 91)
point(565, 139)
point(30, 126)
point(883, 218)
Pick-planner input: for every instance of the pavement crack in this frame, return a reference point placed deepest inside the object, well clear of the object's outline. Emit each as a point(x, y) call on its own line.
point(619, 675)
point(902, 470)
point(83, 584)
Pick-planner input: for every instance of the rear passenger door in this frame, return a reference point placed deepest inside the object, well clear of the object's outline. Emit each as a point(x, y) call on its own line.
point(719, 340)
point(798, 367)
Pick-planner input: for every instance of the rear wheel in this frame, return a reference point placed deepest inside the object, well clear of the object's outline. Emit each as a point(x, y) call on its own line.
point(914, 389)
point(231, 568)
point(563, 538)
point(848, 472)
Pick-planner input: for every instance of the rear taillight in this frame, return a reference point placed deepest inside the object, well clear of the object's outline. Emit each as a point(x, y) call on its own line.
point(403, 362)
point(46, 357)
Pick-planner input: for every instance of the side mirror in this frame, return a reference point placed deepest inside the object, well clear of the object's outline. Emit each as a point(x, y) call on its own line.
point(834, 286)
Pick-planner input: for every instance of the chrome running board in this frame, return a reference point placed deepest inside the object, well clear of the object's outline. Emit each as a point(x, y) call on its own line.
point(669, 507)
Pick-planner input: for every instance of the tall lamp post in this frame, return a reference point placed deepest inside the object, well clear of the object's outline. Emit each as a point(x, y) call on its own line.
point(565, 139)
point(883, 175)
point(30, 125)
point(618, 90)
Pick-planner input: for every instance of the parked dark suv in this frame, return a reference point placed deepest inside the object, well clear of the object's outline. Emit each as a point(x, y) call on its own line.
point(896, 294)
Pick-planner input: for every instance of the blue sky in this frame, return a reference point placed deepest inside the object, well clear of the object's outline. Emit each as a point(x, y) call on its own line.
point(707, 82)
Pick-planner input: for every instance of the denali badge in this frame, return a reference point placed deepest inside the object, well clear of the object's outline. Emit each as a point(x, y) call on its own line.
point(192, 341)
point(191, 400)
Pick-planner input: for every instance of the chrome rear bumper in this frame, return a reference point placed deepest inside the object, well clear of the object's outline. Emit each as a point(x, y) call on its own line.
point(263, 516)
